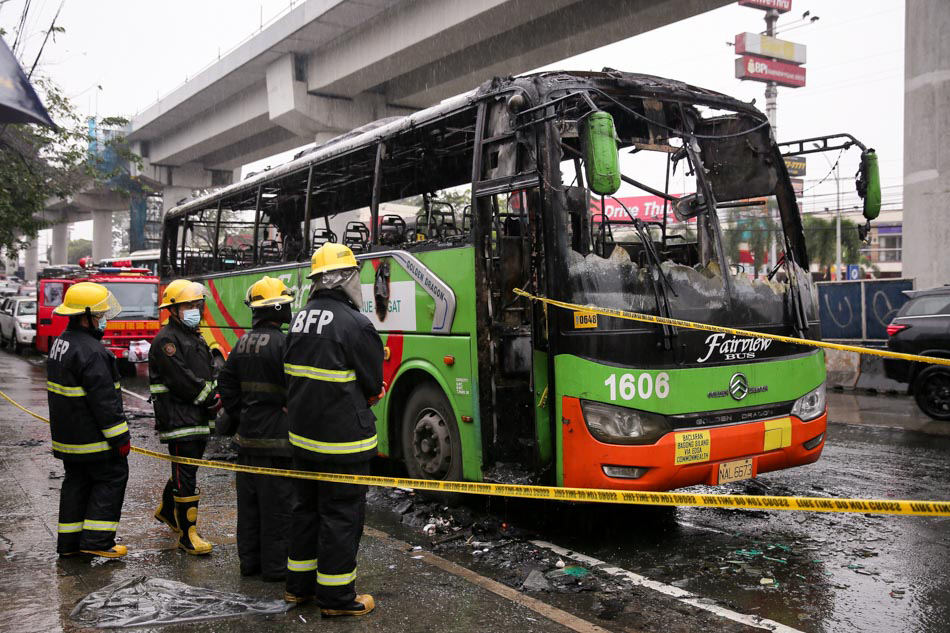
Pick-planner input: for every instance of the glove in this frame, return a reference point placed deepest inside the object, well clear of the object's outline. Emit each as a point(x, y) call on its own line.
point(374, 399)
point(215, 405)
point(124, 449)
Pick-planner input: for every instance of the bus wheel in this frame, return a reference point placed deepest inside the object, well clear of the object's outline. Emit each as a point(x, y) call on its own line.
point(432, 448)
point(932, 392)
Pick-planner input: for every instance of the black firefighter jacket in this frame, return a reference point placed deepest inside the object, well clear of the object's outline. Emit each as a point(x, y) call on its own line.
point(254, 392)
point(85, 399)
point(181, 379)
point(334, 363)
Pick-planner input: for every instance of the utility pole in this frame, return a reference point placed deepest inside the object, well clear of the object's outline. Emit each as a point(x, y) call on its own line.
point(771, 112)
point(838, 224)
point(771, 88)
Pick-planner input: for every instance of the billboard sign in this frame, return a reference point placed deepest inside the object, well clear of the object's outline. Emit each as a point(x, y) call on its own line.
point(646, 208)
point(765, 46)
point(795, 165)
point(759, 69)
point(798, 186)
point(782, 6)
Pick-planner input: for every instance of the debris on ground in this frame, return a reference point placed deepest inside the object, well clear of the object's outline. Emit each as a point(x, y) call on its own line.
point(146, 601)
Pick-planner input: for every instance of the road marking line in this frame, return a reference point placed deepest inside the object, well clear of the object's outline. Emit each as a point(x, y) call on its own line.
point(675, 592)
point(550, 612)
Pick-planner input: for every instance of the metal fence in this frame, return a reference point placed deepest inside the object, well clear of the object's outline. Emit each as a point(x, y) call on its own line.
point(860, 310)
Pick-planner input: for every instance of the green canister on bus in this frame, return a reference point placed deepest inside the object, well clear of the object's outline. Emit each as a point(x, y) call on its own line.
point(602, 160)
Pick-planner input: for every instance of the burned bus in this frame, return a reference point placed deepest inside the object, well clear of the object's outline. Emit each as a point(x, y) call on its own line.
point(608, 189)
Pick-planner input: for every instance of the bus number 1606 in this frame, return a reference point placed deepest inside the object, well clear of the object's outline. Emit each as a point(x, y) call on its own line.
point(629, 386)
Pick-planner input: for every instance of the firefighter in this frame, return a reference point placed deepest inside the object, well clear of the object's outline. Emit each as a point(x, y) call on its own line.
point(181, 380)
point(253, 391)
point(334, 366)
point(88, 425)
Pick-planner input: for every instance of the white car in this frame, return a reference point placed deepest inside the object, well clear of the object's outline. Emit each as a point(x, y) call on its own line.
point(17, 322)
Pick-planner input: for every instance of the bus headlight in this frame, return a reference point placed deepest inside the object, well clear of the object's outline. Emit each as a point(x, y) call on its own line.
point(618, 425)
point(811, 405)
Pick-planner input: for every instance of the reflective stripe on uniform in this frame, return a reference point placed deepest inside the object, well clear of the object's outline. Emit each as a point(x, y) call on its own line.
point(118, 429)
point(336, 580)
point(301, 565)
point(206, 391)
point(158, 388)
point(263, 387)
point(80, 449)
point(315, 373)
point(69, 528)
point(333, 448)
point(100, 526)
point(184, 432)
point(260, 442)
point(63, 390)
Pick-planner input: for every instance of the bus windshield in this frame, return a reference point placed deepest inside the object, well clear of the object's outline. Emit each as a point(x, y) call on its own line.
point(138, 300)
point(666, 252)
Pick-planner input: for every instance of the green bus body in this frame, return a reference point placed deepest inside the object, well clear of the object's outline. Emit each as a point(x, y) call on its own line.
point(527, 384)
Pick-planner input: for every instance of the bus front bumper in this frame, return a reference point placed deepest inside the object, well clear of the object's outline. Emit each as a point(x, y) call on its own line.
point(771, 444)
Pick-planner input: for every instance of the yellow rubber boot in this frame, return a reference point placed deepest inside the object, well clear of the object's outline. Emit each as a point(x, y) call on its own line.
point(116, 551)
point(363, 604)
point(186, 514)
point(166, 507)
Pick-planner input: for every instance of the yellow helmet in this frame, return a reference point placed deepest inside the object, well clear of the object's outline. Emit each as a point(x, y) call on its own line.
point(267, 292)
point(88, 298)
point(182, 291)
point(331, 256)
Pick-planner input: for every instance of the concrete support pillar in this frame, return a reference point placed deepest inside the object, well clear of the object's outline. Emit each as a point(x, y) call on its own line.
point(101, 235)
point(926, 231)
point(60, 250)
point(31, 260)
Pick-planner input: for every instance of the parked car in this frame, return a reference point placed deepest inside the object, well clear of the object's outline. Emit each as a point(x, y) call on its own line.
point(18, 322)
point(922, 326)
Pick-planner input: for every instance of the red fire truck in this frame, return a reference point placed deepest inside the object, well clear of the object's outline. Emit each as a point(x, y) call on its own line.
point(129, 334)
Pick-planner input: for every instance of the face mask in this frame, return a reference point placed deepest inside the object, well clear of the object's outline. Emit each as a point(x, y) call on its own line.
point(191, 317)
point(101, 326)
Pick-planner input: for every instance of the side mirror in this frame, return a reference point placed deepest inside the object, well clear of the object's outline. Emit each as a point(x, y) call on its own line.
point(868, 184)
point(601, 157)
point(688, 207)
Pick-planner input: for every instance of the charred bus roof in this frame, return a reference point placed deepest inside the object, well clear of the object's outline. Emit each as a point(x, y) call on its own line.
point(539, 88)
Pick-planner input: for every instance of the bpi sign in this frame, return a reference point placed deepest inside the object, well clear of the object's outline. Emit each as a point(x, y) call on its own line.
point(759, 69)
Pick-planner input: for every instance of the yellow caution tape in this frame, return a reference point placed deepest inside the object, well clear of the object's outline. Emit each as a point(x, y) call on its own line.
point(649, 318)
point(588, 495)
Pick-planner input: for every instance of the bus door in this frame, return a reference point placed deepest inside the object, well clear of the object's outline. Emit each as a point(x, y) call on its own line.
point(513, 366)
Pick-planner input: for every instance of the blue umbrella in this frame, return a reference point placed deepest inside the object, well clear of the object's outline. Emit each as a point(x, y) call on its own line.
point(18, 100)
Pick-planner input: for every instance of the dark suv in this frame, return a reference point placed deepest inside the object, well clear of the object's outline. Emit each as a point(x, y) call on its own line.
point(922, 326)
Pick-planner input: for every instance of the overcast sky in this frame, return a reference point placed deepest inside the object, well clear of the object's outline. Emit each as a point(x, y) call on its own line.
point(117, 57)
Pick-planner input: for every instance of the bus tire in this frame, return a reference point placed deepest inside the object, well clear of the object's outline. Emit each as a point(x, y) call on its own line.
point(431, 445)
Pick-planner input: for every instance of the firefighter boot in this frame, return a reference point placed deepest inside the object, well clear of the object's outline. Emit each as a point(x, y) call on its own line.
point(362, 605)
point(186, 512)
point(116, 551)
point(166, 507)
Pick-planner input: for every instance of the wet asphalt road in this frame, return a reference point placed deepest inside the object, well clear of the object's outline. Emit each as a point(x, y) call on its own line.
point(831, 572)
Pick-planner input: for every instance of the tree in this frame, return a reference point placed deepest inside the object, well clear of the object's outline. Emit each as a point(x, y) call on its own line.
point(821, 241)
point(78, 249)
point(39, 164)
